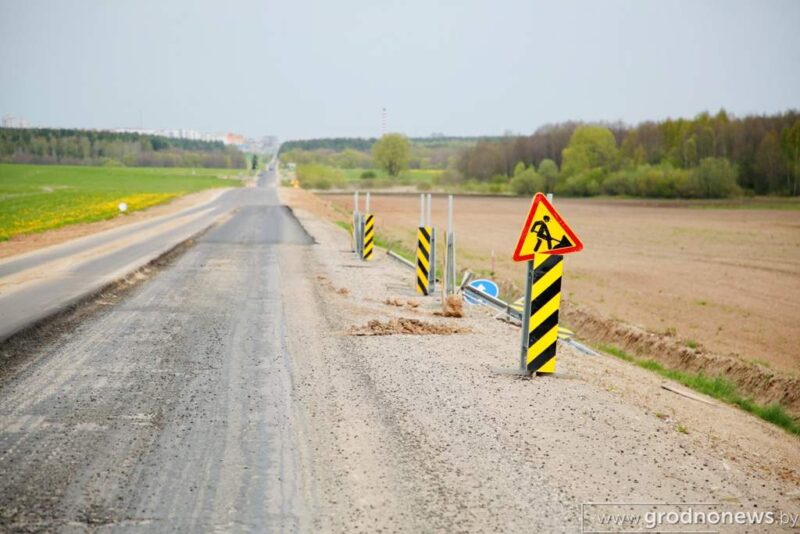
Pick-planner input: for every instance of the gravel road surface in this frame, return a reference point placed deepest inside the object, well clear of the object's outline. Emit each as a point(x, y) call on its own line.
point(228, 393)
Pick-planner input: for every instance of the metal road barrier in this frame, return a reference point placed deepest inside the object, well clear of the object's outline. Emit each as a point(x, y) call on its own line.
point(401, 259)
point(494, 302)
point(564, 335)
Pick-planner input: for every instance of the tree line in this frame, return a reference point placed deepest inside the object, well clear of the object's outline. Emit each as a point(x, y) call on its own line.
point(355, 153)
point(364, 144)
point(89, 147)
point(708, 156)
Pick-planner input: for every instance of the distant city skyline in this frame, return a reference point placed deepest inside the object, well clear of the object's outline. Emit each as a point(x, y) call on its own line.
point(355, 68)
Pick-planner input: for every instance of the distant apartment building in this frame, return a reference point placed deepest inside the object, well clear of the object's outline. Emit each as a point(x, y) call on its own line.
point(233, 139)
point(174, 133)
point(10, 121)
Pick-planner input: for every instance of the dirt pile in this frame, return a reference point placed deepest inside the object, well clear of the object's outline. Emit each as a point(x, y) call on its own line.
point(453, 306)
point(400, 303)
point(404, 325)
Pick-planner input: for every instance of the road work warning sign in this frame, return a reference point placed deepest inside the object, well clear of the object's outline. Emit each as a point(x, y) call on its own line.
point(545, 232)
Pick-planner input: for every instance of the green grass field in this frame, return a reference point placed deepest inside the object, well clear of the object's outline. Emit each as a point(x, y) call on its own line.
point(35, 198)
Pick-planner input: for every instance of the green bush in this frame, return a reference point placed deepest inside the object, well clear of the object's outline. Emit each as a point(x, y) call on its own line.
point(662, 181)
point(583, 184)
point(313, 176)
point(366, 175)
point(423, 186)
point(527, 183)
point(549, 169)
point(714, 178)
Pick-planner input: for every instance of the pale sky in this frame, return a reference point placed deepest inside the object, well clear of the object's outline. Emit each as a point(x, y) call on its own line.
point(309, 68)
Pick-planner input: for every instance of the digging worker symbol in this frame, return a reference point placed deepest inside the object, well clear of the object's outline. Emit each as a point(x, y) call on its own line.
point(542, 233)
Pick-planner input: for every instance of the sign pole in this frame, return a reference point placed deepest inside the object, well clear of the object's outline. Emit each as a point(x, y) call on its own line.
point(526, 320)
point(544, 239)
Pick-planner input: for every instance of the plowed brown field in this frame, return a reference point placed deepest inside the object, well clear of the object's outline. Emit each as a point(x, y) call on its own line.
point(725, 279)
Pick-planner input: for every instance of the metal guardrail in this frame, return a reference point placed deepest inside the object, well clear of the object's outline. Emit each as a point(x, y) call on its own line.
point(496, 303)
point(506, 308)
point(401, 259)
point(493, 301)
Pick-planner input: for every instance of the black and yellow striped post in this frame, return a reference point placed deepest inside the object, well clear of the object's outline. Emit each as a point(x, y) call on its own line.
point(369, 234)
point(544, 299)
point(423, 259)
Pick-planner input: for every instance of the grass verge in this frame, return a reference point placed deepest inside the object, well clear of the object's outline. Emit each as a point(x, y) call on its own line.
point(714, 386)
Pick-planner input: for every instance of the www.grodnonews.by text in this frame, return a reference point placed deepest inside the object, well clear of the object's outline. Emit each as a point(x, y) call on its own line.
point(613, 517)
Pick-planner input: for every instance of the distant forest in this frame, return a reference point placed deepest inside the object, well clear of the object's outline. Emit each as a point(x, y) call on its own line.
point(709, 156)
point(437, 152)
point(761, 152)
point(88, 147)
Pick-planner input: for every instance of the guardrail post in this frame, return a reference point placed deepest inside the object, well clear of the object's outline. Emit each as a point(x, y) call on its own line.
point(432, 270)
point(354, 240)
point(366, 231)
point(423, 259)
point(450, 252)
point(368, 236)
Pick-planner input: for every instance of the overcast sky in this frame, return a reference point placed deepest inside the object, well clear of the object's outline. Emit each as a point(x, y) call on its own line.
point(313, 68)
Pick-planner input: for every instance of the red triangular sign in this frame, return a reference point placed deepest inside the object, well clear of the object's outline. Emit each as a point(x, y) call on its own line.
point(545, 232)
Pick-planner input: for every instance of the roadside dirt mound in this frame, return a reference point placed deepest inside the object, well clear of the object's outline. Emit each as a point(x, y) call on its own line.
point(453, 306)
point(763, 384)
point(400, 303)
point(403, 325)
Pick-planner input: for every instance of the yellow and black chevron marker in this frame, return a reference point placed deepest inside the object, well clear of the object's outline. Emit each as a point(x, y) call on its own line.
point(369, 234)
point(423, 259)
point(545, 300)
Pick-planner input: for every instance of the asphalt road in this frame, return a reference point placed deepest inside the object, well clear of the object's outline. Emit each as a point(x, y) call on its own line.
point(36, 285)
point(170, 411)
